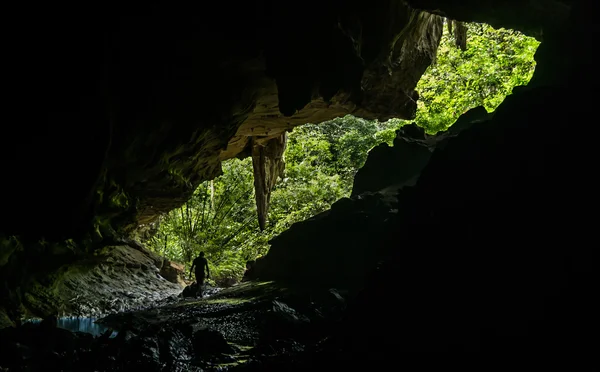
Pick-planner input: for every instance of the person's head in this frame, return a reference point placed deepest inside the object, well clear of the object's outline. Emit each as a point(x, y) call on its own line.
point(201, 254)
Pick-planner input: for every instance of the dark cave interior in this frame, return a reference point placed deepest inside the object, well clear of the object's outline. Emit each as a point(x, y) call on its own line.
point(117, 116)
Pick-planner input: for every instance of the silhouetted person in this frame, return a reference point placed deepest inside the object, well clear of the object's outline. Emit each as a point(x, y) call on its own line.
point(200, 263)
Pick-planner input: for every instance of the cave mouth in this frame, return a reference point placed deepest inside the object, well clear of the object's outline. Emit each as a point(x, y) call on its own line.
point(323, 161)
point(314, 165)
point(428, 246)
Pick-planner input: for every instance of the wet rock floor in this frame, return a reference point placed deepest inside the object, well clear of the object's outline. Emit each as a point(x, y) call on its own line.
point(252, 326)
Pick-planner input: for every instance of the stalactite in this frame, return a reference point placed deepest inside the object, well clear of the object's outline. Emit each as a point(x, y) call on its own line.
point(268, 165)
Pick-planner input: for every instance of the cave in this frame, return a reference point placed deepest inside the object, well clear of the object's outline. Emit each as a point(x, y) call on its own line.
point(118, 114)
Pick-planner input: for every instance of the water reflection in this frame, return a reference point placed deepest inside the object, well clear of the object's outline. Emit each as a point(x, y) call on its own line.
point(74, 324)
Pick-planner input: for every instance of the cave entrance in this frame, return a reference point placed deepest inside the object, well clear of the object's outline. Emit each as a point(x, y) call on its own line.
point(301, 173)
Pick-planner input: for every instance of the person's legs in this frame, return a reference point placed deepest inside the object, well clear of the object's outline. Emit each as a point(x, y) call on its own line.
point(200, 281)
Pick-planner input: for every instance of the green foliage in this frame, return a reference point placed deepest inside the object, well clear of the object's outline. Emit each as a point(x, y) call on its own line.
point(322, 160)
point(214, 220)
point(494, 63)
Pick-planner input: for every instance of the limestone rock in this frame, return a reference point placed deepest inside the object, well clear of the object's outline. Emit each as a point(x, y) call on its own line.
point(395, 166)
point(341, 255)
point(173, 272)
point(392, 168)
point(174, 102)
point(114, 279)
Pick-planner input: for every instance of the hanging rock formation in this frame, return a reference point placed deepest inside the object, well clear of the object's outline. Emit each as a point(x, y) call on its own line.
point(268, 165)
point(134, 110)
point(347, 247)
point(114, 119)
point(489, 251)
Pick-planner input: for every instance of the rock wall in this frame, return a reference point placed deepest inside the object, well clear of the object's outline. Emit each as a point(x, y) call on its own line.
point(490, 250)
point(134, 109)
point(401, 165)
point(396, 166)
point(112, 279)
point(133, 112)
point(348, 244)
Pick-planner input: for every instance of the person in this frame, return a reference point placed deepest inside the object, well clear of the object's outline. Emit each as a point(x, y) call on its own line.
point(200, 264)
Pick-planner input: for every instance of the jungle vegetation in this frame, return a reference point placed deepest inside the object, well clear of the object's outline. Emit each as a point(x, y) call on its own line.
point(321, 160)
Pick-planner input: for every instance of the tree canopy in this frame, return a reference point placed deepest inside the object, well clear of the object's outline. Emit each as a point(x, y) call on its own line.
point(321, 160)
point(494, 62)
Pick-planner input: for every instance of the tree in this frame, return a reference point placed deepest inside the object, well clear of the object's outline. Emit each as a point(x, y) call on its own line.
point(212, 220)
point(494, 62)
point(322, 160)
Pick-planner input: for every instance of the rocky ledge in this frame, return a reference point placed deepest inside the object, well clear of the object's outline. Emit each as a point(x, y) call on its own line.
point(112, 279)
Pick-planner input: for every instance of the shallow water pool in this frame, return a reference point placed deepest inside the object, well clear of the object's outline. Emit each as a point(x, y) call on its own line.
point(79, 324)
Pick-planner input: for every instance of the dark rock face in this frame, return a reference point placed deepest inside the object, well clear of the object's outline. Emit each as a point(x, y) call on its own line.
point(133, 112)
point(349, 234)
point(190, 291)
point(530, 17)
point(489, 251)
point(501, 267)
point(113, 279)
point(398, 166)
point(341, 255)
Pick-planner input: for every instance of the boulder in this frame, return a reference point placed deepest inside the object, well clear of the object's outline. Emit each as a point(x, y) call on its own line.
point(114, 278)
point(173, 272)
point(341, 255)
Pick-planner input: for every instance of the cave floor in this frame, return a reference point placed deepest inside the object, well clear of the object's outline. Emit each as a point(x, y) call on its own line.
point(250, 326)
point(234, 312)
point(257, 320)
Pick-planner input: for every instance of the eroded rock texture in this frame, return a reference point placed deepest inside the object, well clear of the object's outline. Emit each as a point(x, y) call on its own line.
point(118, 115)
point(487, 251)
point(331, 248)
point(268, 166)
point(532, 17)
point(133, 112)
point(348, 244)
point(114, 278)
point(389, 168)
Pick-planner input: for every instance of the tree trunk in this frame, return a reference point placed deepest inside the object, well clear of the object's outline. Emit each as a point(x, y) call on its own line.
point(212, 194)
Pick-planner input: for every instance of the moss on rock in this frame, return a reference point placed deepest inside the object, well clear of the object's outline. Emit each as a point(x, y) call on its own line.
point(5, 320)
point(113, 278)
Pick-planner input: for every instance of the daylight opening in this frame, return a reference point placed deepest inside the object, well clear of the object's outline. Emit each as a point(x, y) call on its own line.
point(321, 160)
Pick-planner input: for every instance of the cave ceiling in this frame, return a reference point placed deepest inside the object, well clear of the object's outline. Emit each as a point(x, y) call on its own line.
point(116, 117)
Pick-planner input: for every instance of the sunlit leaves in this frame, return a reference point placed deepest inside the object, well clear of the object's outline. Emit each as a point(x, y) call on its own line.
point(321, 160)
point(494, 63)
